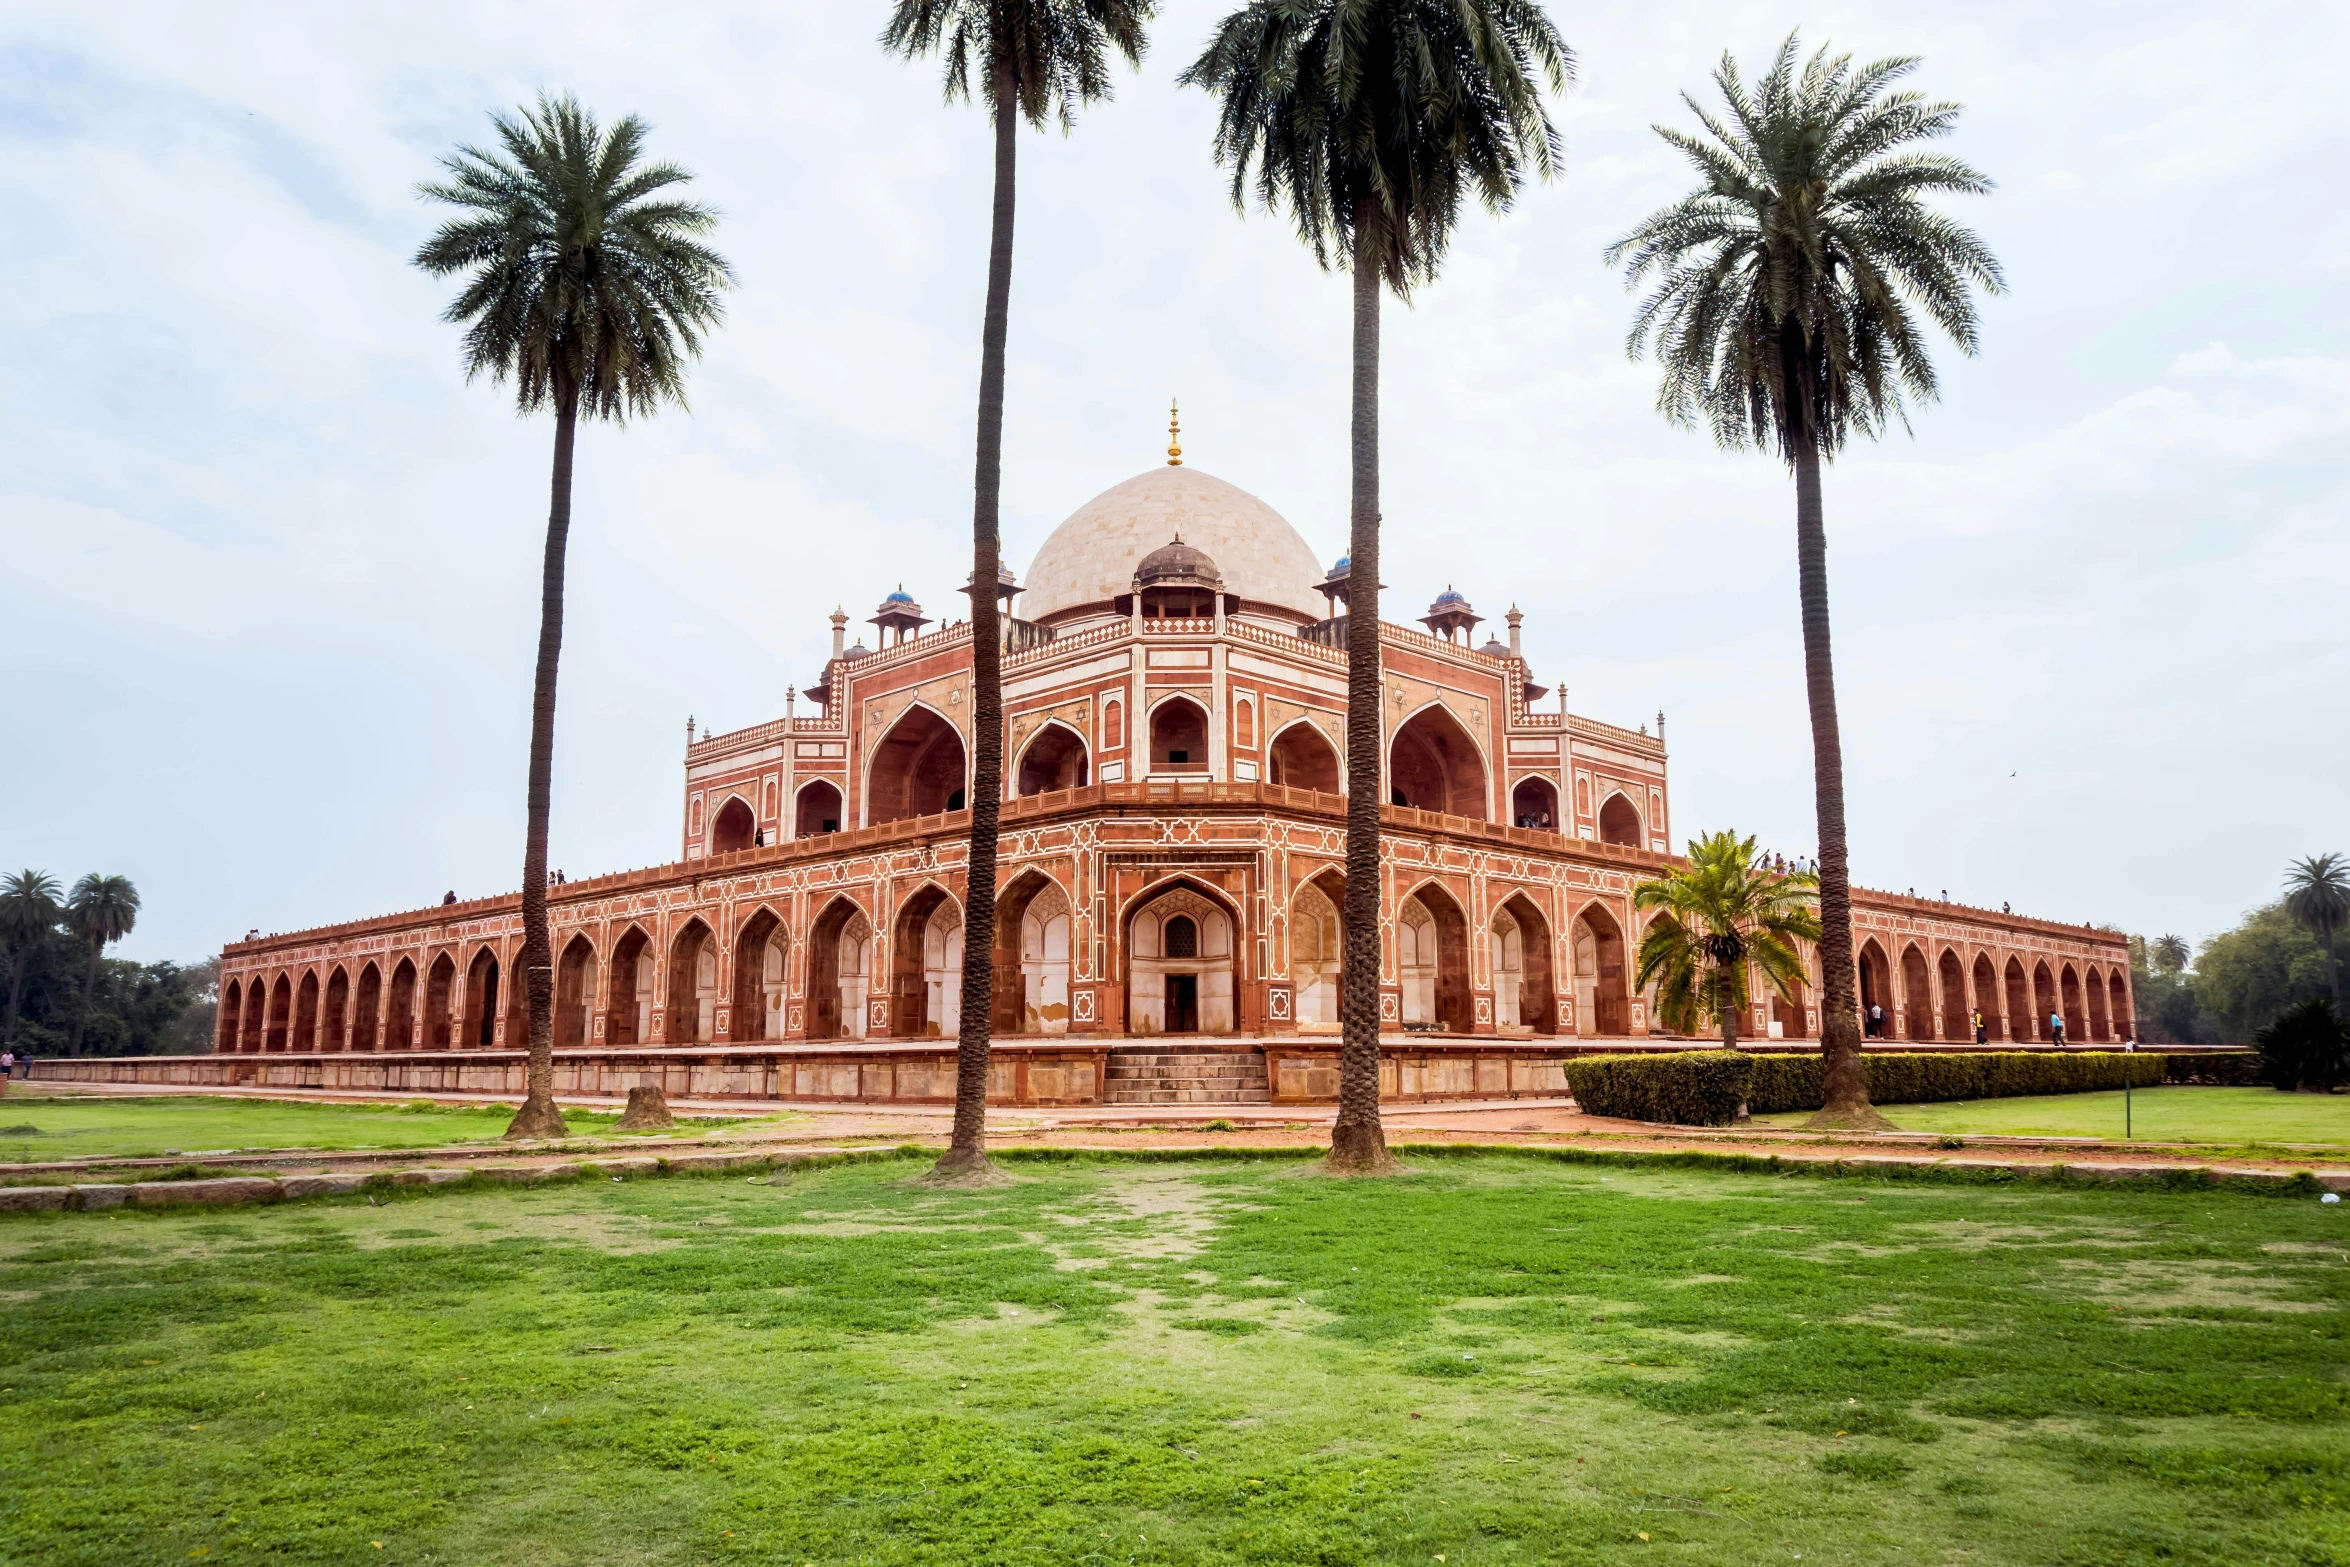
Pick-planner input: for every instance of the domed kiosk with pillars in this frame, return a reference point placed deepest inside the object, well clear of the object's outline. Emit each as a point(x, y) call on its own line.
point(1172, 871)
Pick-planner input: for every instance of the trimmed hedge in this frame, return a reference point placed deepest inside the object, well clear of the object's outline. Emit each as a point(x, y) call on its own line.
point(1686, 1088)
point(2239, 1069)
point(1908, 1078)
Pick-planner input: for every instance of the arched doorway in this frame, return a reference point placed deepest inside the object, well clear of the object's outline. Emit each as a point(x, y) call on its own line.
point(1179, 736)
point(1790, 1015)
point(440, 987)
point(400, 1009)
point(256, 1014)
point(1033, 933)
point(1878, 1006)
point(306, 1015)
point(926, 966)
point(759, 953)
point(1433, 962)
point(2076, 1017)
point(227, 1040)
point(2022, 1025)
point(1317, 952)
point(840, 959)
point(628, 1019)
point(575, 993)
point(334, 1012)
point(370, 1011)
point(1954, 1018)
point(281, 1014)
point(1603, 1004)
point(1523, 998)
point(1054, 759)
point(918, 770)
point(1987, 998)
point(816, 810)
point(1917, 988)
point(1179, 964)
point(1301, 758)
point(479, 1030)
point(1619, 822)
point(693, 986)
point(734, 828)
point(1535, 803)
point(2094, 985)
point(1433, 765)
point(2044, 1000)
point(2125, 1025)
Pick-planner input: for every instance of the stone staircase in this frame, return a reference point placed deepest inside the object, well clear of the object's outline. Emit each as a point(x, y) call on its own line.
point(1167, 1075)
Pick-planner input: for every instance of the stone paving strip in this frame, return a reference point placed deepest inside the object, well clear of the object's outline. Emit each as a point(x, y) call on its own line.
point(224, 1191)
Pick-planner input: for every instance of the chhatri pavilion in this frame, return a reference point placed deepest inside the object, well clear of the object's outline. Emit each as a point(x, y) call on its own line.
point(1174, 682)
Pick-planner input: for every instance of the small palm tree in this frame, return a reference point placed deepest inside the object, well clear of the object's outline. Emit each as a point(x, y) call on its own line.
point(589, 288)
point(2317, 893)
point(1795, 288)
point(1035, 60)
point(1370, 120)
point(28, 912)
point(2170, 953)
point(101, 910)
point(1725, 914)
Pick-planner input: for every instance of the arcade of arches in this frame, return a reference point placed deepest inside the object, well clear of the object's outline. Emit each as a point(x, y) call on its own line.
point(917, 770)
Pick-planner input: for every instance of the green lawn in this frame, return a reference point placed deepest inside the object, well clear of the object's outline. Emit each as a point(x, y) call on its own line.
point(60, 1126)
point(2193, 1115)
point(1499, 1359)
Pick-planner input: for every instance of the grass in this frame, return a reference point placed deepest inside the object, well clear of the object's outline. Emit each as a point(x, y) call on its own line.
point(2235, 1116)
point(36, 1127)
point(1498, 1359)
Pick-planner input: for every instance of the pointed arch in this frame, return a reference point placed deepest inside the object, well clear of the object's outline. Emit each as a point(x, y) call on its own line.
point(440, 986)
point(1603, 998)
point(918, 768)
point(628, 1016)
point(334, 1010)
point(400, 1007)
point(1534, 803)
point(926, 945)
point(1524, 995)
point(1179, 734)
point(480, 1028)
point(2076, 1016)
point(1878, 1005)
point(2093, 983)
point(840, 957)
point(2125, 1023)
point(2044, 999)
point(1033, 935)
point(734, 827)
point(367, 1007)
point(762, 948)
point(575, 992)
point(1432, 959)
point(1917, 993)
point(1433, 764)
point(2023, 1024)
point(1053, 759)
point(1317, 950)
point(816, 809)
point(692, 1003)
point(1168, 990)
point(226, 1039)
point(1300, 756)
point(1619, 821)
point(1985, 978)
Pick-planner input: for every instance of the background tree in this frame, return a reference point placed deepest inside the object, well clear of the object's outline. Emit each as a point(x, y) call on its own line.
point(28, 912)
point(2317, 893)
point(1370, 120)
point(1722, 913)
point(100, 910)
point(1787, 315)
point(2244, 977)
point(1035, 60)
point(2306, 1047)
point(588, 289)
point(2169, 953)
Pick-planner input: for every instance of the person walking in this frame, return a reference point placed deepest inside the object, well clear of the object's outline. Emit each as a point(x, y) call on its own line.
point(1982, 1033)
point(1876, 1022)
point(7, 1068)
point(2056, 1028)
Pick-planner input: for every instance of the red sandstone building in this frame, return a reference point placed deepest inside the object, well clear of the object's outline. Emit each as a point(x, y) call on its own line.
point(1173, 837)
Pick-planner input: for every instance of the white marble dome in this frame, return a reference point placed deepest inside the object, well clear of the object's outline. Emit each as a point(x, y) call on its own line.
point(1090, 558)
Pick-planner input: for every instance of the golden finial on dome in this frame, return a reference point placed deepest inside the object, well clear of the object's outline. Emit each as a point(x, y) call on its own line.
point(1174, 437)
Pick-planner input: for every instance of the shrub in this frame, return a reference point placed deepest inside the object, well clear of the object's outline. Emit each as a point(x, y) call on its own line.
point(2235, 1069)
point(1687, 1088)
point(1903, 1078)
point(2306, 1046)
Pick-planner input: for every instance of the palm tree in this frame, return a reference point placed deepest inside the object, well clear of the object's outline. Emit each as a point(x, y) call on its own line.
point(1035, 60)
point(1787, 315)
point(588, 288)
point(28, 911)
point(101, 910)
point(1724, 913)
point(2170, 953)
point(2317, 893)
point(1371, 120)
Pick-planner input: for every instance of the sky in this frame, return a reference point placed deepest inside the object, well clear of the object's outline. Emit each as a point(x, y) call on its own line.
point(268, 561)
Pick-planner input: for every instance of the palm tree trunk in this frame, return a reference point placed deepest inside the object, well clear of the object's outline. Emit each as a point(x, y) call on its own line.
point(1358, 1144)
point(1723, 1013)
point(539, 1115)
point(1845, 1081)
point(966, 1153)
point(89, 993)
